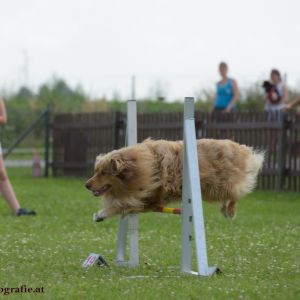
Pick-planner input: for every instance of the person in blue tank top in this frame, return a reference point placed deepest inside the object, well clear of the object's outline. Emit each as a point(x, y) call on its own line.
point(227, 92)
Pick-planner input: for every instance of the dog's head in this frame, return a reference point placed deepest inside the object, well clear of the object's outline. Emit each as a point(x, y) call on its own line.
point(112, 172)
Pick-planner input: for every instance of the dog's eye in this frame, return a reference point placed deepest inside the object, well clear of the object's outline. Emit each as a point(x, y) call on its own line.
point(100, 174)
point(121, 176)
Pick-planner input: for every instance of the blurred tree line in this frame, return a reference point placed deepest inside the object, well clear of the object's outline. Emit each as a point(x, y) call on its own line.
point(25, 105)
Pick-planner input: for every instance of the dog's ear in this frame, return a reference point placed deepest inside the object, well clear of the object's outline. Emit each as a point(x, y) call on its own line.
point(123, 167)
point(116, 166)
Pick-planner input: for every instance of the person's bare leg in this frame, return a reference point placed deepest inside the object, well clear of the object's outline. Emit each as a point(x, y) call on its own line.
point(7, 189)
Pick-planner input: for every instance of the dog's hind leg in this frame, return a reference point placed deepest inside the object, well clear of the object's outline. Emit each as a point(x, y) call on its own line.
point(223, 208)
point(228, 208)
point(231, 208)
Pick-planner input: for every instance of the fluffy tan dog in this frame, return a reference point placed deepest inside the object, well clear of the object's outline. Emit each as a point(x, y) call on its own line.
point(148, 175)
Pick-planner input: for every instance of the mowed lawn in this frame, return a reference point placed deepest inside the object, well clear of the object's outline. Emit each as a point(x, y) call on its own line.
point(258, 252)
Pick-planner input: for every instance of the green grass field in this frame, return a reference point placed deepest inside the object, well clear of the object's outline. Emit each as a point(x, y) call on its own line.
point(258, 252)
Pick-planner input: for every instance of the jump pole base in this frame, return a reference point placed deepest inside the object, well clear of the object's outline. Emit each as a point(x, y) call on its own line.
point(211, 271)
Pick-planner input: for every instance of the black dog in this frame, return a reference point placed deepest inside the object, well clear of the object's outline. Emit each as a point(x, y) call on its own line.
point(271, 92)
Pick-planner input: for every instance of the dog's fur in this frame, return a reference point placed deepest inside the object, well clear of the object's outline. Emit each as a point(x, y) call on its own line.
point(148, 175)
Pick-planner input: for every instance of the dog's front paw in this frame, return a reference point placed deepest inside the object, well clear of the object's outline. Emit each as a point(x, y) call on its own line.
point(99, 216)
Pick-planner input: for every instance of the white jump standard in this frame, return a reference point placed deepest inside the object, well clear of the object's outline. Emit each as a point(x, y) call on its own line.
point(191, 212)
point(129, 223)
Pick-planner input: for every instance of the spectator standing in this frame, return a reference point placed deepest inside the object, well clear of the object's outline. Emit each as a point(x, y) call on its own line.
point(227, 92)
point(276, 92)
point(5, 185)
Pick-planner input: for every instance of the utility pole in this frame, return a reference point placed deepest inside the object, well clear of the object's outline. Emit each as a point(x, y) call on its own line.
point(133, 87)
point(25, 68)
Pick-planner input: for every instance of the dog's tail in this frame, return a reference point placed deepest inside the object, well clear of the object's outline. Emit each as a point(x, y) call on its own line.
point(254, 164)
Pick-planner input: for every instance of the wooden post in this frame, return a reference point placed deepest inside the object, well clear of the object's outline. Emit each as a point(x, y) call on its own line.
point(282, 150)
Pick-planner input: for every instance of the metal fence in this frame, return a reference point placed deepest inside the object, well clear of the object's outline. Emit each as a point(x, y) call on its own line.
point(79, 138)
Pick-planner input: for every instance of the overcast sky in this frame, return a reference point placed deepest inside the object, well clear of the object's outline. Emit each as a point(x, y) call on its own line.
point(100, 44)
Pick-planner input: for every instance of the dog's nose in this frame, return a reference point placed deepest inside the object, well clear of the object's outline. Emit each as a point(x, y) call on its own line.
point(88, 185)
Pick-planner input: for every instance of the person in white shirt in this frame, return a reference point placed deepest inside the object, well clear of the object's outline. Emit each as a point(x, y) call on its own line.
point(276, 92)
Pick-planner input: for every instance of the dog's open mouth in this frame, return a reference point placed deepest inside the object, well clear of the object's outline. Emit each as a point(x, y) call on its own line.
point(102, 190)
